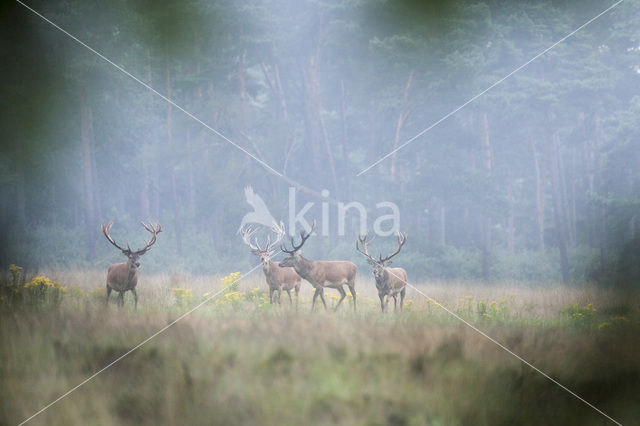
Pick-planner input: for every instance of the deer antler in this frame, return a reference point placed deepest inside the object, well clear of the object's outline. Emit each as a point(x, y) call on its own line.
point(402, 238)
point(304, 237)
point(155, 230)
point(279, 231)
point(247, 233)
point(106, 229)
point(364, 242)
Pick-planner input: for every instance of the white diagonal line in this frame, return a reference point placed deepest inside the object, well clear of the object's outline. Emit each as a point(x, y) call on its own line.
point(489, 88)
point(128, 74)
point(67, 393)
point(506, 349)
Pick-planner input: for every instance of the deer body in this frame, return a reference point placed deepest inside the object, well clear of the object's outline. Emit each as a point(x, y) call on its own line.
point(279, 279)
point(123, 277)
point(389, 281)
point(322, 273)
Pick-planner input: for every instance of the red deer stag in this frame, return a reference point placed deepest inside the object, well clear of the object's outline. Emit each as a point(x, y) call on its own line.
point(277, 278)
point(321, 273)
point(389, 281)
point(124, 276)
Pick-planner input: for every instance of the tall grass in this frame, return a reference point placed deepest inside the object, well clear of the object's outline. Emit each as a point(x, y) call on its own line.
point(238, 360)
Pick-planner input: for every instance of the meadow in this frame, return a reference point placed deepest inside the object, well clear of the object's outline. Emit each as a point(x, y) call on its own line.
point(238, 360)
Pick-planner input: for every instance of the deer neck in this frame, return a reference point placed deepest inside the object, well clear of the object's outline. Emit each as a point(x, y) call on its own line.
point(133, 270)
point(303, 267)
point(383, 278)
point(385, 274)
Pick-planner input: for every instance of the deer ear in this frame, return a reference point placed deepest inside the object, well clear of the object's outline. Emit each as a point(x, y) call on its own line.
point(388, 262)
point(256, 252)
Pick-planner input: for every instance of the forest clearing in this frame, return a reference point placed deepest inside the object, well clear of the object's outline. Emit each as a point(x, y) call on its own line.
point(490, 148)
point(239, 360)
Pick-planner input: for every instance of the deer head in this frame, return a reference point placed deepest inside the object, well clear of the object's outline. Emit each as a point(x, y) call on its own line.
point(133, 256)
point(294, 253)
point(381, 263)
point(263, 253)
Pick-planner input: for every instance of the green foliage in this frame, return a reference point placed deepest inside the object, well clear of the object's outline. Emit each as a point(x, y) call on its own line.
point(323, 84)
point(182, 296)
point(580, 314)
point(43, 291)
point(231, 282)
point(363, 367)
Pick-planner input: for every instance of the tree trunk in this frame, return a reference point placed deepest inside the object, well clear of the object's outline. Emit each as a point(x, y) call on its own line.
point(597, 181)
point(170, 171)
point(564, 197)
point(275, 84)
point(190, 169)
point(97, 195)
point(85, 130)
point(145, 188)
point(541, 196)
point(487, 243)
point(443, 227)
point(511, 230)
point(241, 133)
point(21, 197)
point(316, 129)
point(397, 176)
point(558, 211)
point(573, 216)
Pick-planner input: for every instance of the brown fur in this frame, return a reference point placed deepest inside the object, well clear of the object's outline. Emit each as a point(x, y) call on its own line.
point(390, 282)
point(123, 277)
point(279, 279)
point(325, 273)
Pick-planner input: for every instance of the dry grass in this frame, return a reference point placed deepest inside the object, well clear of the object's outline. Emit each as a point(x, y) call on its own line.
point(245, 362)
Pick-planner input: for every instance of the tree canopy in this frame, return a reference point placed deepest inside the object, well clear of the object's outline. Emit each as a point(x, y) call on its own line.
point(536, 179)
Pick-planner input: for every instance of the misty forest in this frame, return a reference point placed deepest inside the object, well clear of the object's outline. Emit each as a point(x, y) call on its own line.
point(506, 134)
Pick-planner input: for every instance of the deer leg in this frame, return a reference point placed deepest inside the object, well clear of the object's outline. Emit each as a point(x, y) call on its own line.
point(343, 294)
point(322, 298)
point(381, 296)
point(120, 299)
point(402, 293)
point(108, 293)
point(315, 295)
point(135, 297)
point(271, 290)
point(279, 295)
point(352, 290)
point(395, 303)
point(290, 299)
point(297, 293)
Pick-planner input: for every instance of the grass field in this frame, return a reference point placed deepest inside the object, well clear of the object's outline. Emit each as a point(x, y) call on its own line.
point(238, 360)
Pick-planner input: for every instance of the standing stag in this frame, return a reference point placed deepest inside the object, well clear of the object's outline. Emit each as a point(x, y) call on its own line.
point(321, 273)
point(278, 278)
point(124, 276)
point(389, 281)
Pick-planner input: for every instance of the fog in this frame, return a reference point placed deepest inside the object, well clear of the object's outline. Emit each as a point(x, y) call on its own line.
point(536, 179)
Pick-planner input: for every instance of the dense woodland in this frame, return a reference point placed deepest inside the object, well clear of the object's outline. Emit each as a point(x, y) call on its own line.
point(538, 179)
